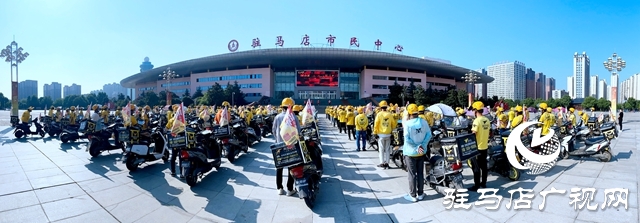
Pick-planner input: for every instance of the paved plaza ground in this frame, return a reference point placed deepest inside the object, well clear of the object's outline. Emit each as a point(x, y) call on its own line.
point(46, 181)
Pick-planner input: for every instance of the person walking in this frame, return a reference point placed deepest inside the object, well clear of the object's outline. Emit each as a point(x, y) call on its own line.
point(620, 115)
point(382, 128)
point(416, 139)
point(361, 129)
point(481, 128)
point(351, 123)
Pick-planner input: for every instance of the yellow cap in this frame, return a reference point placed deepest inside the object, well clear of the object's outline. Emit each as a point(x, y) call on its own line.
point(383, 104)
point(412, 109)
point(287, 102)
point(519, 108)
point(572, 110)
point(478, 105)
point(543, 105)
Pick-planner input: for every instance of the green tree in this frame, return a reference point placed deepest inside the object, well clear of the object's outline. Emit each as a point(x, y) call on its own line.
point(197, 94)
point(213, 96)
point(463, 98)
point(91, 98)
point(589, 102)
point(420, 95)
point(565, 101)
point(102, 98)
point(630, 104)
point(186, 94)
point(395, 91)
point(4, 102)
point(187, 101)
point(45, 101)
point(234, 95)
point(553, 103)
point(147, 98)
point(452, 99)
point(510, 102)
point(529, 102)
point(58, 103)
point(80, 101)
point(603, 104)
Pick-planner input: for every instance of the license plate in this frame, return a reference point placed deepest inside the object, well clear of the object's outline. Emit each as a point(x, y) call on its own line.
point(186, 164)
point(301, 182)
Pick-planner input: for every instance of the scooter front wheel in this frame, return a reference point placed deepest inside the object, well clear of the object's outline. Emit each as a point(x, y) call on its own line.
point(514, 174)
point(606, 156)
point(18, 134)
point(94, 149)
point(130, 162)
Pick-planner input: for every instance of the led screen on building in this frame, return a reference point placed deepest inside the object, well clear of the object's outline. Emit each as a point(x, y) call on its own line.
point(320, 78)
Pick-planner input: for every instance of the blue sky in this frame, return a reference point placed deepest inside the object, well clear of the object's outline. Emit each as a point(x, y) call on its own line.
point(96, 42)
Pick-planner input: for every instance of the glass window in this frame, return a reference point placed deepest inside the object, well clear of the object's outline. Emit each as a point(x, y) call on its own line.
point(230, 78)
point(379, 77)
point(185, 83)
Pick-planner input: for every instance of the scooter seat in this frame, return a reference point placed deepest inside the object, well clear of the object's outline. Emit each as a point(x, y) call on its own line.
point(505, 133)
point(495, 149)
point(594, 140)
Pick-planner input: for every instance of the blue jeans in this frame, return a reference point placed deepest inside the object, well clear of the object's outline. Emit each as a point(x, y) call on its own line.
point(361, 135)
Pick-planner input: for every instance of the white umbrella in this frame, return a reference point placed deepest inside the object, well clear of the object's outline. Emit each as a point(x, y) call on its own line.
point(444, 110)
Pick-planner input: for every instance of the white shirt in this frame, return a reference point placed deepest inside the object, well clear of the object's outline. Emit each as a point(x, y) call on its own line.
point(95, 117)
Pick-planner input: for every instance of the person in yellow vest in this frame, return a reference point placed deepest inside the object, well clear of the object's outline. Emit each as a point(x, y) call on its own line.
point(512, 114)
point(118, 112)
point(296, 111)
point(481, 128)
point(58, 114)
point(105, 114)
point(519, 117)
point(584, 117)
point(421, 112)
point(334, 116)
point(51, 112)
point(572, 117)
point(503, 120)
point(225, 104)
point(72, 116)
point(26, 116)
point(145, 116)
point(429, 118)
point(362, 123)
point(342, 120)
point(327, 111)
point(248, 115)
point(383, 126)
point(546, 118)
point(351, 123)
point(133, 120)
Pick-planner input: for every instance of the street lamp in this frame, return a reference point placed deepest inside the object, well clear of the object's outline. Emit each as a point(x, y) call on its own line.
point(168, 75)
point(614, 64)
point(402, 96)
point(471, 78)
point(14, 56)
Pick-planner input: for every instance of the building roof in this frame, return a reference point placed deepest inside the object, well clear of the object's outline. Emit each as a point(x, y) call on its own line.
point(305, 58)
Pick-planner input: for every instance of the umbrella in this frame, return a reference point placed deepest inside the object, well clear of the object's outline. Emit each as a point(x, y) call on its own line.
point(444, 110)
point(471, 113)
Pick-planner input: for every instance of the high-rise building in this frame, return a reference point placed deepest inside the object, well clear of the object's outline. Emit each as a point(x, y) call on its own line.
point(53, 90)
point(540, 81)
point(27, 88)
point(630, 88)
point(581, 75)
point(609, 94)
point(146, 65)
point(593, 87)
point(570, 87)
point(530, 77)
point(481, 89)
point(550, 86)
point(557, 94)
point(74, 89)
point(509, 80)
point(602, 89)
point(112, 90)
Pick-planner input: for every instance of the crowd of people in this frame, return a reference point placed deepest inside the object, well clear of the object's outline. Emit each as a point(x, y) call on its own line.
point(417, 123)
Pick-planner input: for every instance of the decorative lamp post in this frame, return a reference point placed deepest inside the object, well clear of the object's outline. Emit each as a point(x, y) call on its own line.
point(168, 75)
point(614, 64)
point(233, 99)
point(402, 96)
point(14, 56)
point(471, 78)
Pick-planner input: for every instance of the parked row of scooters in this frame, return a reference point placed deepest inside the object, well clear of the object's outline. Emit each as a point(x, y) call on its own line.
point(200, 147)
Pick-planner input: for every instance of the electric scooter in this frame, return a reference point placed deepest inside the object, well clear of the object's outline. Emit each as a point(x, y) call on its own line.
point(596, 147)
point(24, 129)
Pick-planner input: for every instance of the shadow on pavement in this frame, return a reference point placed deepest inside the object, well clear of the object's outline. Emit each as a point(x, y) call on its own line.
point(101, 165)
point(70, 146)
point(622, 155)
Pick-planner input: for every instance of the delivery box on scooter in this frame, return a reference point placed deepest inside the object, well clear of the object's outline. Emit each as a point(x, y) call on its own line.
point(183, 140)
point(609, 130)
point(459, 148)
point(591, 123)
point(292, 155)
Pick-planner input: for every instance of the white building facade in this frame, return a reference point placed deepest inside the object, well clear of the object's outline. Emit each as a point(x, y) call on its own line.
point(602, 89)
point(581, 75)
point(509, 80)
point(557, 94)
point(593, 87)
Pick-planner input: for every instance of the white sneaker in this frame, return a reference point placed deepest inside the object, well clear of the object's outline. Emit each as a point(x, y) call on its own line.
point(280, 191)
point(421, 197)
point(291, 193)
point(410, 198)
